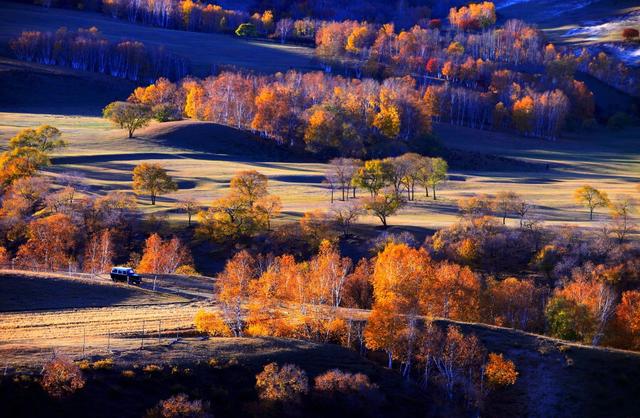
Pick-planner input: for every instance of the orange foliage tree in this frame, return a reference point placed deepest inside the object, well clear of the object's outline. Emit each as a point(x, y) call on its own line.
point(50, 243)
point(98, 253)
point(234, 285)
point(163, 257)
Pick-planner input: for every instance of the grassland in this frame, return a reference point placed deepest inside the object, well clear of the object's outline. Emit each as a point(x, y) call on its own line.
point(205, 50)
point(203, 156)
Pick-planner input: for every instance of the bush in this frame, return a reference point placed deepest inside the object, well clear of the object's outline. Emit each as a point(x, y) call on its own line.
point(152, 368)
point(287, 384)
point(500, 372)
point(186, 270)
point(246, 30)
point(179, 406)
point(61, 377)
point(211, 323)
point(104, 364)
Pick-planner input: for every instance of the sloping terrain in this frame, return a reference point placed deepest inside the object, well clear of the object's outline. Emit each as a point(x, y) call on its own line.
point(206, 51)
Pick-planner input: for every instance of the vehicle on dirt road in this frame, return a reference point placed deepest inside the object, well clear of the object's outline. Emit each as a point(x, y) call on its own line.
point(125, 274)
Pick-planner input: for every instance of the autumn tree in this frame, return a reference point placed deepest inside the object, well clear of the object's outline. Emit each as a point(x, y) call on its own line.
point(591, 198)
point(628, 318)
point(438, 174)
point(514, 303)
point(50, 243)
point(452, 291)
point(98, 253)
point(246, 209)
point(61, 377)
point(189, 206)
point(129, 116)
point(622, 210)
point(383, 205)
point(459, 360)
point(233, 284)
point(268, 207)
point(285, 384)
point(249, 185)
point(152, 178)
point(20, 163)
point(4, 257)
point(373, 176)
point(346, 214)
point(505, 203)
point(358, 290)
point(211, 323)
point(163, 257)
point(45, 139)
point(398, 278)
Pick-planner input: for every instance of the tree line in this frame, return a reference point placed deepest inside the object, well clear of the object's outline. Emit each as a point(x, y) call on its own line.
point(322, 113)
point(421, 48)
point(88, 50)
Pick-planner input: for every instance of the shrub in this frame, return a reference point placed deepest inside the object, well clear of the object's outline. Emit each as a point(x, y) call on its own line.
point(186, 270)
point(246, 30)
point(285, 384)
point(211, 323)
point(61, 377)
point(84, 364)
point(104, 364)
point(500, 372)
point(152, 368)
point(179, 406)
point(213, 362)
point(129, 374)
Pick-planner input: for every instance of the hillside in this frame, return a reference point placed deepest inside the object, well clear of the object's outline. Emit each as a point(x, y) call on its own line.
point(206, 51)
point(556, 378)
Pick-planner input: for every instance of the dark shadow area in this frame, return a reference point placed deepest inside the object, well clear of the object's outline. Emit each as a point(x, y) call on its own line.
point(33, 88)
point(22, 293)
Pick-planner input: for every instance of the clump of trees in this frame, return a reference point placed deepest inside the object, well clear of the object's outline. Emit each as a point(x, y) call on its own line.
point(88, 50)
point(325, 114)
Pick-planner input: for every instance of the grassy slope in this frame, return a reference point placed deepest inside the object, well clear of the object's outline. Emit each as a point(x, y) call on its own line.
point(205, 50)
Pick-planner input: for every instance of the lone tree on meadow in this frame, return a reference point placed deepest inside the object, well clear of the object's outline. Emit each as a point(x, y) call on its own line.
point(152, 179)
point(129, 116)
point(591, 198)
